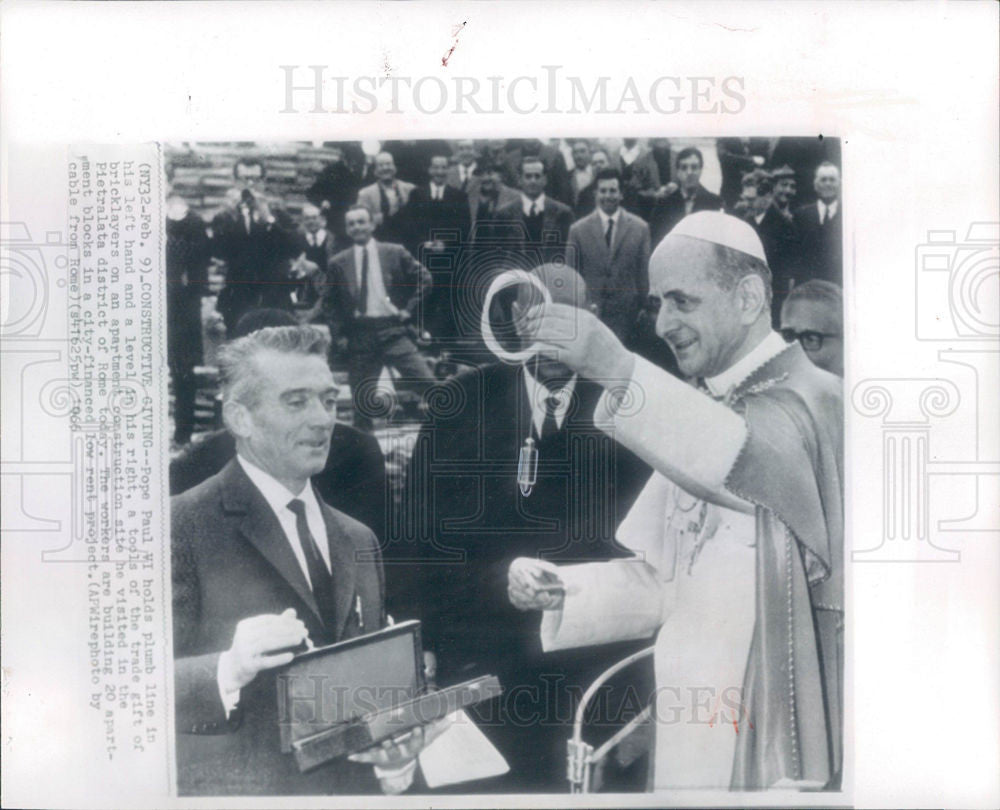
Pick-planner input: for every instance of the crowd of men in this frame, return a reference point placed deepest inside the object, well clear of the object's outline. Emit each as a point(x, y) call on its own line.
point(447, 216)
point(682, 414)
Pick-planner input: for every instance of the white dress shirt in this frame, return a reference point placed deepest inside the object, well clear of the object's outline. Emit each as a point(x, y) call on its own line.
point(316, 239)
point(527, 202)
point(437, 192)
point(465, 173)
point(278, 498)
point(605, 218)
point(537, 393)
point(827, 211)
point(629, 155)
point(378, 304)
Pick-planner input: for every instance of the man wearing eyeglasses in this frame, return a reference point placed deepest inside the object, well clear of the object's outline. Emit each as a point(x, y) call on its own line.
point(813, 315)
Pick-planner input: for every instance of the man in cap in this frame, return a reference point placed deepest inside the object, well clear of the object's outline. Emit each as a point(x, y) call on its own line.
point(466, 517)
point(784, 190)
point(737, 537)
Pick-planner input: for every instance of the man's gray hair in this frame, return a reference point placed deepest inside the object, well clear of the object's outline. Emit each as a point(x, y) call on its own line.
point(237, 373)
point(731, 266)
point(819, 291)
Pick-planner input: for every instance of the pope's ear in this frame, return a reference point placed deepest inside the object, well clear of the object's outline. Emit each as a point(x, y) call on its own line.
point(236, 418)
point(752, 292)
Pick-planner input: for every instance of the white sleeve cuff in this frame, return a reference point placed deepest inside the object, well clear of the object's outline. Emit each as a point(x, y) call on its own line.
point(396, 780)
point(604, 602)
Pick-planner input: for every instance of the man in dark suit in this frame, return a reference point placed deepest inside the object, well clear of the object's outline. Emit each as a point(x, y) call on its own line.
point(587, 199)
point(650, 177)
point(537, 225)
point(689, 196)
point(821, 229)
point(467, 516)
point(187, 257)
point(259, 565)
point(334, 191)
point(312, 245)
point(438, 221)
point(373, 291)
point(254, 237)
point(461, 174)
point(610, 248)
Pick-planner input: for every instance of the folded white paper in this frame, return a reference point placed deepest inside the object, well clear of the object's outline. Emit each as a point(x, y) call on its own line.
point(460, 754)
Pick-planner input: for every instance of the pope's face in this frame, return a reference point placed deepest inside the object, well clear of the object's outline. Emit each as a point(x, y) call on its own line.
point(700, 322)
point(287, 431)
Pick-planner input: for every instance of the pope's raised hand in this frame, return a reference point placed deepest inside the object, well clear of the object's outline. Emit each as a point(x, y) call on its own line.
point(578, 339)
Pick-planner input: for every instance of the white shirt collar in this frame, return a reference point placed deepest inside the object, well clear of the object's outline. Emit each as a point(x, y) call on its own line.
point(604, 217)
point(466, 170)
point(278, 498)
point(629, 154)
point(537, 393)
point(831, 208)
point(436, 190)
point(275, 493)
point(721, 384)
point(527, 203)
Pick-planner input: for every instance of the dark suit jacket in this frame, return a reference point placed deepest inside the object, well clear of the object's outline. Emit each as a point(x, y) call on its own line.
point(353, 480)
point(670, 210)
point(465, 518)
point(447, 220)
point(231, 561)
point(644, 179)
point(256, 262)
point(407, 283)
point(617, 279)
point(822, 250)
point(511, 224)
point(782, 248)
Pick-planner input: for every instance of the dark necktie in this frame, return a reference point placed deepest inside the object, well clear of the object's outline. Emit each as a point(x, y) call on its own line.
point(319, 574)
point(532, 212)
point(549, 425)
point(607, 233)
point(363, 287)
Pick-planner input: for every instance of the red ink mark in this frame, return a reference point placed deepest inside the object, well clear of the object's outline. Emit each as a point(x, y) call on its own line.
point(455, 32)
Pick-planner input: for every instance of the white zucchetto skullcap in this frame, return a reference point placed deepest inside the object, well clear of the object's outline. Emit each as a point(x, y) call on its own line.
point(721, 229)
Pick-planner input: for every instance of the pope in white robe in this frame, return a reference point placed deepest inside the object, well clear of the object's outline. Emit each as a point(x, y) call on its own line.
point(737, 537)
